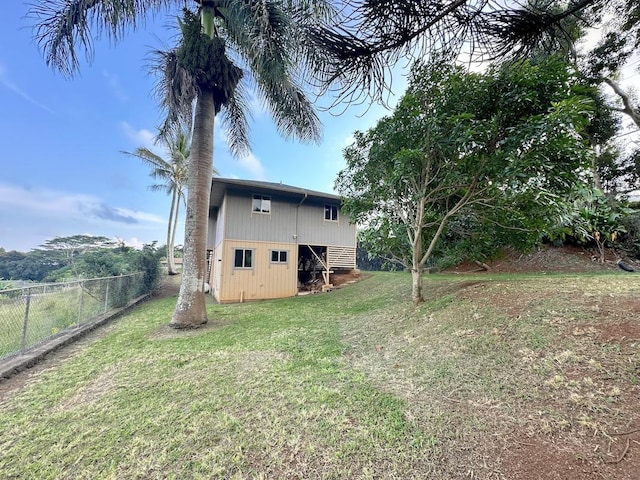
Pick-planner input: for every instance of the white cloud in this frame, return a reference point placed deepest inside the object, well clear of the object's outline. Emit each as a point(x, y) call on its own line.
point(4, 80)
point(30, 216)
point(140, 138)
point(113, 81)
point(251, 163)
point(51, 204)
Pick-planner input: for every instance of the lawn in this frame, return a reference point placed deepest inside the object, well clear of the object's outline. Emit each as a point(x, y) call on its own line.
point(502, 376)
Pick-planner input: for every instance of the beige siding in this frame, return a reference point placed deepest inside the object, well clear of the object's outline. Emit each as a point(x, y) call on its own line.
point(265, 280)
point(216, 272)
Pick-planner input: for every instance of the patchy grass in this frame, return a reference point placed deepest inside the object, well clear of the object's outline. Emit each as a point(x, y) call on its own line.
point(504, 376)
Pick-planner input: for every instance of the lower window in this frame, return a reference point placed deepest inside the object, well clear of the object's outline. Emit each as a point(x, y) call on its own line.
point(279, 256)
point(243, 258)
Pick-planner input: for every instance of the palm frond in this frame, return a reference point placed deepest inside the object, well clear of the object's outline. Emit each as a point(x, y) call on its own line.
point(62, 27)
point(235, 122)
point(355, 55)
point(175, 91)
point(262, 33)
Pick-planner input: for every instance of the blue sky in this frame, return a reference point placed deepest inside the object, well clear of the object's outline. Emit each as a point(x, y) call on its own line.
point(62, 172)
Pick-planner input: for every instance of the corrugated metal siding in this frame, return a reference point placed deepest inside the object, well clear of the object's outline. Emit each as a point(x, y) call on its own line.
point(265, 280)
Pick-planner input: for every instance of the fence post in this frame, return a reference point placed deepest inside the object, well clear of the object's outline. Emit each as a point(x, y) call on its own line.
point(23, 340)
point(80, 303)
point(106, 297)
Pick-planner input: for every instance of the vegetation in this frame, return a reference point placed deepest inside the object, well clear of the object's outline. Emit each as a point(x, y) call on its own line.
point(173, 175)
point(494, 150)
point(361, 47)
point(371, 387)
point(223, 47)
point(81, 256)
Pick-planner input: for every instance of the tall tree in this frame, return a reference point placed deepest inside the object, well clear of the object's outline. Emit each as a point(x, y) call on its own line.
point(172, 172)
point(495, 149)
point(265, 39)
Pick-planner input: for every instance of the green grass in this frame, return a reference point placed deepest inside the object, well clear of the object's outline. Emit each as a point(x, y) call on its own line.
point(54, 310)
point(355, 383)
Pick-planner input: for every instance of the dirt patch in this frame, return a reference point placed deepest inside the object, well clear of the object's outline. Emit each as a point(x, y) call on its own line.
point(166, 332)
point(527, 458)
point(567, 259)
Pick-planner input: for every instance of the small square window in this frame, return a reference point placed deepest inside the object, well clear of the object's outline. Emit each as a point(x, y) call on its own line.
point(279, 256)
point(261, 204)
point(331, 213)
point(243, 258)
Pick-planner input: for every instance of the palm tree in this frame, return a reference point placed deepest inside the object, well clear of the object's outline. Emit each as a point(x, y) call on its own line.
point(233, 45)
point(172, 173)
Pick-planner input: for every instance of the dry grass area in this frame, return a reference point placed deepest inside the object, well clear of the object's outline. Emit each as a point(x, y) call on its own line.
point(496, 376)
point(517, 378)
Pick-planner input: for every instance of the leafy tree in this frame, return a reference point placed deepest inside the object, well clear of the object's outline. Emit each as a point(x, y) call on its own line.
point(264, 37)
point(592, 218)
point(496, 148)
point(173, 175)
point(65, 251)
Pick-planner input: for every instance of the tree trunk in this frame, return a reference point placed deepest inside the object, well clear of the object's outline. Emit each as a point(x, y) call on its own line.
point(171, 264)
point(191, 309)
point(416, 286)
point(175, 227)
point(416, 270)
point(629, 108)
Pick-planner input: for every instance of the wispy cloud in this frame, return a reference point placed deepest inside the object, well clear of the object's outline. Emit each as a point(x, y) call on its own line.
point(6, 82)
point(141, 137)
point(51, 205)
point(113, 81)
point(251, 163)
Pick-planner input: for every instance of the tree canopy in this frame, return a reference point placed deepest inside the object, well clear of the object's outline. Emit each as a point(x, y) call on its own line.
point(465, 153)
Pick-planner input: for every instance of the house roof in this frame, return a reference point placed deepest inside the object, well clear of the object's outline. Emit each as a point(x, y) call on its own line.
point(220, 185)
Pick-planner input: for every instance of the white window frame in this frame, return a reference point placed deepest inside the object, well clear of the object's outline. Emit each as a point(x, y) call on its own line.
point(244, 258)
point(328, 208)
point(265, 200)
point(279, 261)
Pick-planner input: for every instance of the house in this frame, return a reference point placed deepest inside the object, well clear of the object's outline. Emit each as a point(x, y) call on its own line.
point(266, 240)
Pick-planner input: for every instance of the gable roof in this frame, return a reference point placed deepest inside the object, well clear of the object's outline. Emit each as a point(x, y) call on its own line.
point(220, 185)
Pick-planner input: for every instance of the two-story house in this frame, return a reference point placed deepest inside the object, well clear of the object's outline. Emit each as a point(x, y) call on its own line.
point(267, 239)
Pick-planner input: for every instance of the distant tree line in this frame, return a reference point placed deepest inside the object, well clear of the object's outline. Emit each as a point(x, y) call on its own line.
point(80, 256)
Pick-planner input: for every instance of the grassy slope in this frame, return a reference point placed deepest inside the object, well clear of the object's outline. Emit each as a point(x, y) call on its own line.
point(356, 383)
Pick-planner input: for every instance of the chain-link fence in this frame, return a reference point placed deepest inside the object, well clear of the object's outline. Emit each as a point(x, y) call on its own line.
point(30, 316)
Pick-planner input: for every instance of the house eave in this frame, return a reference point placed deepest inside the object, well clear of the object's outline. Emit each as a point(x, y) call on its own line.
point(220, 185)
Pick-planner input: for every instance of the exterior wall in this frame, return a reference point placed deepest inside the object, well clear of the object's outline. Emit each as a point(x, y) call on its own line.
point(263, 281)
point(280, 225)
point(211, 232)
point(313, 229)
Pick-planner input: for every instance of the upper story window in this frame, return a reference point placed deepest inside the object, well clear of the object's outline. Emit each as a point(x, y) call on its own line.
point(261, 204)
point(331, 213)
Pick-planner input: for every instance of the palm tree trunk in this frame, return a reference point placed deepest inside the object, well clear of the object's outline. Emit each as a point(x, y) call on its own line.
point(191, 309)
point(175, 227)
point(171, 265)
